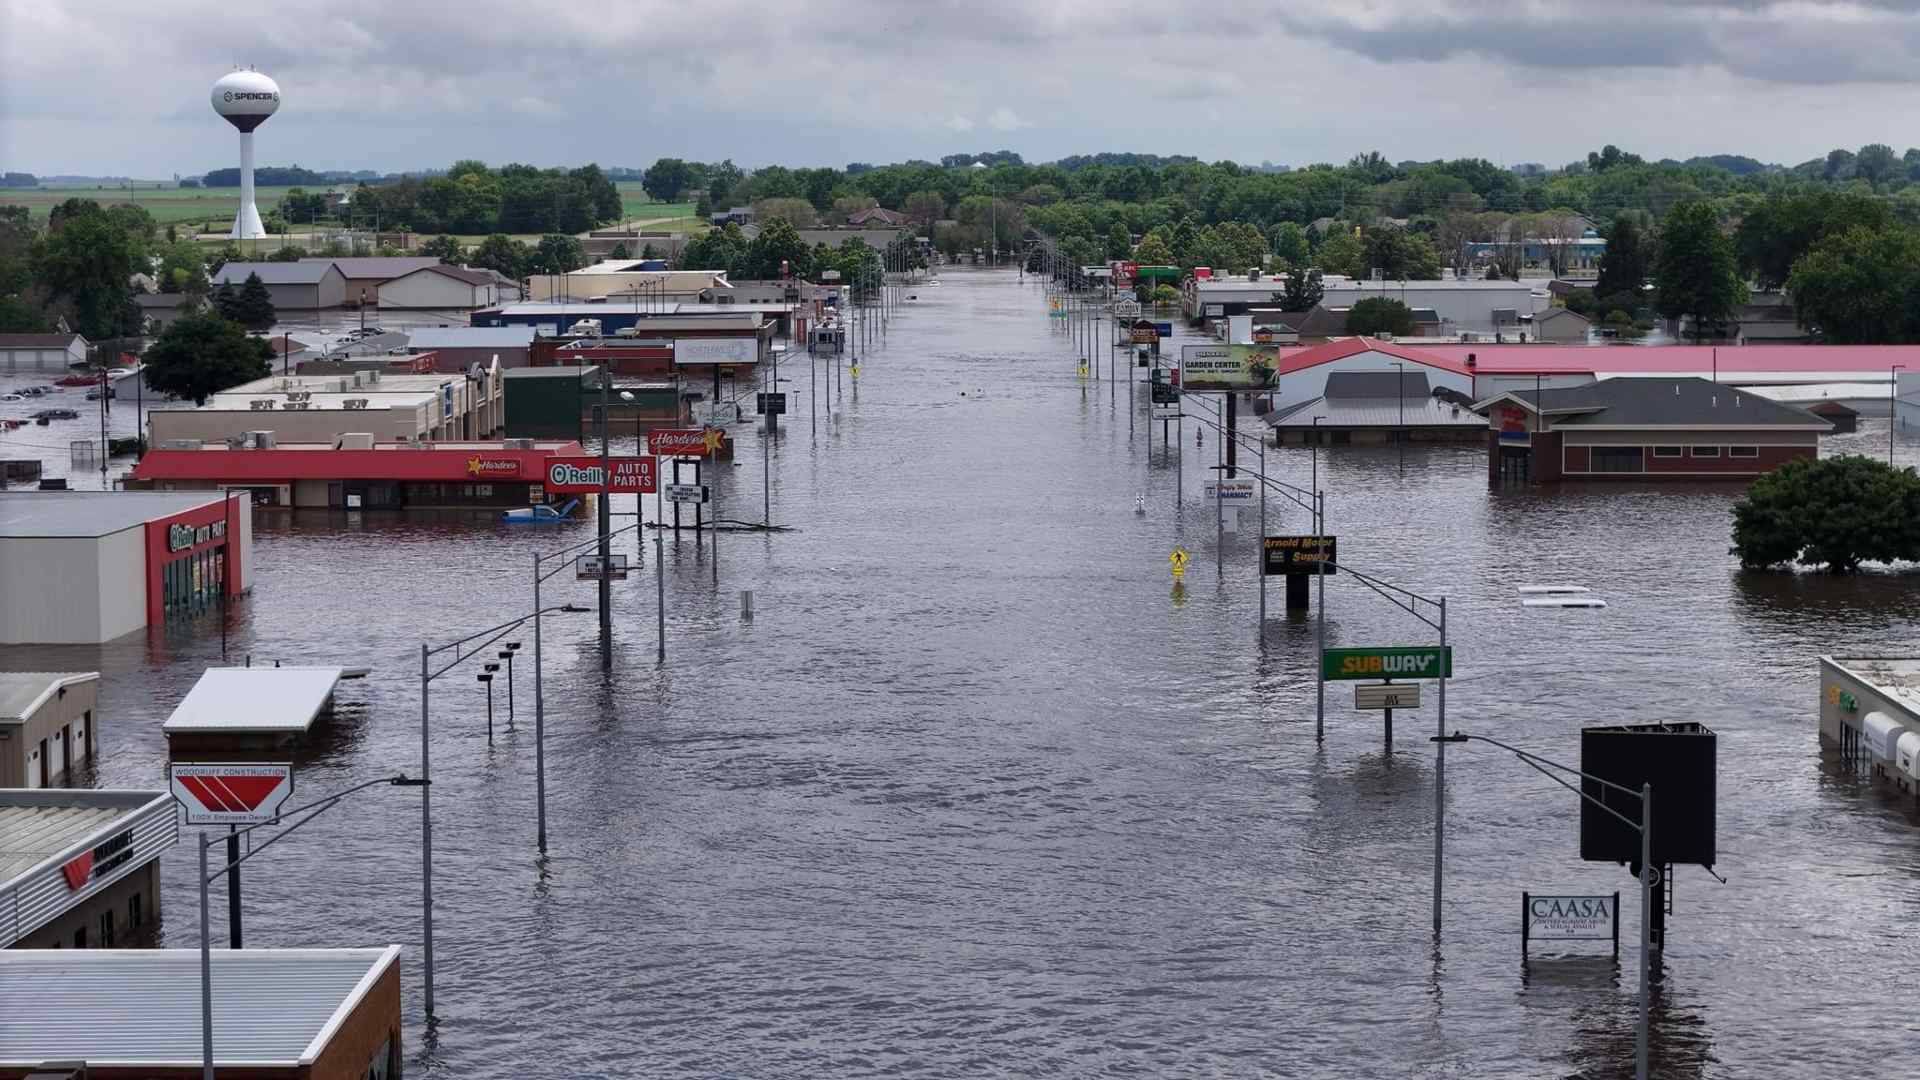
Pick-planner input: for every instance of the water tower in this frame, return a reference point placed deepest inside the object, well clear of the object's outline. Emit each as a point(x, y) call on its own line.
point(246, 99)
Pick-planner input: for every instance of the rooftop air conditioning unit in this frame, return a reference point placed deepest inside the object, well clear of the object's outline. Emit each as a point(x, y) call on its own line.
point(354, 440)
point(519, 444)
point(263, 440)
point(373, 378)
point(234, 442)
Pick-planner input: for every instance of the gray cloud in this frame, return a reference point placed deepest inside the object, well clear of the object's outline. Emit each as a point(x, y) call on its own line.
point(120, 85)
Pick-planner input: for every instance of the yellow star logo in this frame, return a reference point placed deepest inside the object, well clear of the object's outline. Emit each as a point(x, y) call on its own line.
point(714, 437)
point(473, 466)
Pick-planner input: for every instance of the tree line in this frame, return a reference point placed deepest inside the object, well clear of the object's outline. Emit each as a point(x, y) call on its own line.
point(471, 199)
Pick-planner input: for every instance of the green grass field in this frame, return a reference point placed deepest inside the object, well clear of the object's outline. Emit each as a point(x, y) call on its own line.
point(215, 207)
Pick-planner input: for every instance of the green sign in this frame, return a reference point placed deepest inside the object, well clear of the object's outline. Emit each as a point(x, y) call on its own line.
point(1419, 662)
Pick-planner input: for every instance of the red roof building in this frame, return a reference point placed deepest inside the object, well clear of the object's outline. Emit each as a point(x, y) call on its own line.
point(374, 476)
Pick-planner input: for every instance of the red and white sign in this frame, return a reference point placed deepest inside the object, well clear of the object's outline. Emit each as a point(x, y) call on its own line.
point(78, 871)
point(231, 793)
point(684, 442)
point(580, 475)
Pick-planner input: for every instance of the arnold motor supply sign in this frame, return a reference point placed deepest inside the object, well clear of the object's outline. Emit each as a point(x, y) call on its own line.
point(581, 475)
point(1228, 367)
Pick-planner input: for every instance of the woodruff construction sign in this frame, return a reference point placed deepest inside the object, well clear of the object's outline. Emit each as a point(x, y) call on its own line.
point(1422, 662)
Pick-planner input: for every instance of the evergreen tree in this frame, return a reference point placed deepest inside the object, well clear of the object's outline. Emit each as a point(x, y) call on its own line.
point(1623, 266)
point(253, 307)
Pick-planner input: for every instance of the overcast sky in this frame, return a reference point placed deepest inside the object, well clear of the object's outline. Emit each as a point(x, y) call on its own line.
point(120, 86)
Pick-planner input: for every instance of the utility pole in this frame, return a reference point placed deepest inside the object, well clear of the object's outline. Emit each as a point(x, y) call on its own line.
point(606, 523)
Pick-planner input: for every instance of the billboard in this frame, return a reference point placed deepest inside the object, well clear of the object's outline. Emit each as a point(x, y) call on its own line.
point(735, 350)
point(1228, 367)
point(1393, 662)
point(242, 793)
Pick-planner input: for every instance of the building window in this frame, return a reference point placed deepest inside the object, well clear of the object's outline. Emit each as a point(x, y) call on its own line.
point(1706, 451)
point(80, 938)
point(136, 918)
point(1617, 459)
point(1667, 451)
point(106, 929)
point(1743, 451)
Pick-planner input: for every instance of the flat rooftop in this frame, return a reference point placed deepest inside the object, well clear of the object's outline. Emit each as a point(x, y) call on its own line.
point(140, 1008)
point(38, 824)
point(23, 692)
point(91, 514)
point(255, 701)
point(1898, 677)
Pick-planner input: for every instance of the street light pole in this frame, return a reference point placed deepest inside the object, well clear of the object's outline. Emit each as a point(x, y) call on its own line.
point(426, 833)
point(606, 521)
point(1893, 407)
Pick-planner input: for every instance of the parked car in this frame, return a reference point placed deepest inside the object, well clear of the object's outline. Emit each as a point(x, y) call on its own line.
point(13, 397)
point(56, 414)
point(36, 391)
point(96, 394)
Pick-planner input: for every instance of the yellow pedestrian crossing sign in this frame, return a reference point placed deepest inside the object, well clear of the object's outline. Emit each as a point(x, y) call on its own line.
point(1179, 559)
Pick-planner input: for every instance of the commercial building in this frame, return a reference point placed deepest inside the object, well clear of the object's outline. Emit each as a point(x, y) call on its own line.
point(1559, 326)
point(41, 352)
point(1462, 306)
point(47, 726)
point(1870, 709)
point(319, 408)
point(357, 473)
point(446, 288)
point(458, 348)
point(1376, 407)
point(80, 567)
point(1643, 428)
point(134, 1014)
point(78, 869)
point(1514, 367)
point(251, 713)
point(363, 277)
point(1301, 374)
point(294, 286)
point(622, 280)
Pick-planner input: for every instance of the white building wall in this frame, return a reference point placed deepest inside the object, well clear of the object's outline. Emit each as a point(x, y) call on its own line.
point(50, 591)
point(1486, 386)
point(244, 538)
point(430, 290)
point(123, 582)
point(1310, 383)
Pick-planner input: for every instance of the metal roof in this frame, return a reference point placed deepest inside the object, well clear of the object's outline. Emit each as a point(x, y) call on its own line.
point(274, 273)
point(1377, 384)
point(23, 692)
point(470, 337)
point(256, 700)
point(1377, 412)
point(141, 1007)
point(38, 824)
point(36, 341)
point(376, 266)
point(1658, 402)
point(91, 514)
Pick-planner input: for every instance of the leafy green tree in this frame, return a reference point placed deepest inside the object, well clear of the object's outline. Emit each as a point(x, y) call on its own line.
point(723, 249)
point(1774, 234)
point(253, 307)
point(445, 248)
point(799, 213)
point(1302, 292)
point(1836, 512)
point(200, 354)
point(1379, 315)
point(924, 208)
point(230, 252)
point(1153, 250)
point(1877, 165)
point(503, 254)
point(1119, 241)
point(779, 242)
point(287, 253)
point(1860, 287)
point(86, 263)
point(1696, 270)
point(1343, 253)
point(1400, 254)
point(667, 177)
point(1290, 245)
point(1624, 263)
point(557, 254)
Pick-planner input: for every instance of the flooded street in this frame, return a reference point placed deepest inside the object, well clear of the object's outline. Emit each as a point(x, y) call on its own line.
point(974, 795)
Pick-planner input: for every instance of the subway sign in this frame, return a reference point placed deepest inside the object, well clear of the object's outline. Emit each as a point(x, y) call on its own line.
point(1418, 662)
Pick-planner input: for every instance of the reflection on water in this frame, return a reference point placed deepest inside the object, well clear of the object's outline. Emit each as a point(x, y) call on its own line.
point(976, 793)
